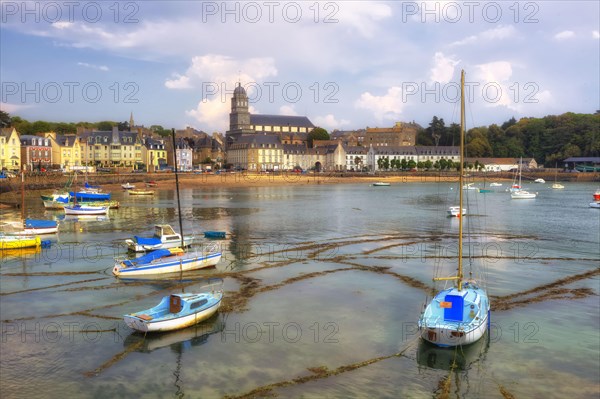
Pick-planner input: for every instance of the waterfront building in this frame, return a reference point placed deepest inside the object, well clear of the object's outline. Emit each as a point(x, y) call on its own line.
point(66, 150)
point(154, 154)
point(10, 149)
point(256, 153)
point(111, 148)
point(36, 152)
point(401, 134)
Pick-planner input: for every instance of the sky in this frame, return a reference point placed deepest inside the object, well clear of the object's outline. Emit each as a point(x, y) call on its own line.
point(344, 64)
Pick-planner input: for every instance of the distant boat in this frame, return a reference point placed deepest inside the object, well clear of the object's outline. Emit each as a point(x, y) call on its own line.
point(597, 195)
point(151, 184)
point(454, 211)
point(381, 184)
point(127, 186)
point(469, 186)
point(164, 237)
point(540, 180)
point(60, 205)
point(141, 192)
point(77, 209)
point(175, 311)
point(517, 192)
point(557, 186)
point(594, 204)
point(457, 315)
point(495, 184)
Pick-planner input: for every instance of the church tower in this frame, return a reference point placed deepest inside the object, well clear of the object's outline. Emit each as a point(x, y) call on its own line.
point(239, 118)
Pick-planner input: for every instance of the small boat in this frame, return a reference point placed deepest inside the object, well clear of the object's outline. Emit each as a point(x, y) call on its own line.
point(78, 209)
point(454, 211)
point(29, 227)
point(557, 186)
point(141, 192)
point(522, 194)
point(151, 184)
point(175, 311)
point(595, 204)
point(457, 315)
point(381, 184)
point(470, 186)
point(17, 242)
point(597, 195)
point(127, 186)
point(540, 180)
point(485, 190)
point(215, 234)
point(164, 237)
point(60, 205)
point(495, 184)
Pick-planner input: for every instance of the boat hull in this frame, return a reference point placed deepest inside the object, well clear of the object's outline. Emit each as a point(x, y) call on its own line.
point(13, 242)
point(522, 195)
point(174, 264)
point(448, 337)
point(91, 196)
point(141, 325)
point(594, 204)
point(61, 205)
point(85, 210)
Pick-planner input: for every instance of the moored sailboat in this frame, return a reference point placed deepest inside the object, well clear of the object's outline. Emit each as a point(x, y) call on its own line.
point(458, 315)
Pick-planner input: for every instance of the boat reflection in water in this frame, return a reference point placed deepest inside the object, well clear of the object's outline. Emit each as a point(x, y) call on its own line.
point(460, 357)
point(179, 340)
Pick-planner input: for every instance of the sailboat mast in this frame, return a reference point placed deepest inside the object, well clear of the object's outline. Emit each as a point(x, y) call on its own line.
point(177, 186)
point(460, 177)
point(23, 195)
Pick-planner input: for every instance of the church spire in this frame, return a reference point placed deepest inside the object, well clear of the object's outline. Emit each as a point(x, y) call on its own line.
point(131, 121)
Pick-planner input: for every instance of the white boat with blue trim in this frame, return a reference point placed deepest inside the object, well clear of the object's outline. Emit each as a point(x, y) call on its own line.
point(161, 261)
point(458, 315)
point(77, 209)
point(175, 311)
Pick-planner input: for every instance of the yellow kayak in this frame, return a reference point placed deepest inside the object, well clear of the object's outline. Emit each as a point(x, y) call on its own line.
point(16, 242)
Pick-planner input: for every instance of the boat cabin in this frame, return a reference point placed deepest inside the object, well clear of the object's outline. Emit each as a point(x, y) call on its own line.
point(166, 232)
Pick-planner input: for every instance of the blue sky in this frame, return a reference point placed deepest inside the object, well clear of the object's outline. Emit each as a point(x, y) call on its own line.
point(345, 64)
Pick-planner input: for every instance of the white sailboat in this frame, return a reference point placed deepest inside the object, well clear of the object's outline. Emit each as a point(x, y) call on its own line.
point(519, 193)
point(457, 315)
point(171, 260)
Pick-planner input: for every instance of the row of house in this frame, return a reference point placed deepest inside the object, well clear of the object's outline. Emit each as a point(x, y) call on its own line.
point(104, 149)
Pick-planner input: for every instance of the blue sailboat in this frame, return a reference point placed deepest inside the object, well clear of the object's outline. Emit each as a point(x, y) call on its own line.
point(458, 315)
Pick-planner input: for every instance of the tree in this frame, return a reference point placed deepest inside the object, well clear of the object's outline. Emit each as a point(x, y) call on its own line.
point(5, 119)
point(40, 127)
point(123, 126)
point(104, 126)
point(317, 133)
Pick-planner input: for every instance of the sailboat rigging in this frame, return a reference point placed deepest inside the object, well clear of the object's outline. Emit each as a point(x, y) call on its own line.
point(458, 315)
point(168, 260)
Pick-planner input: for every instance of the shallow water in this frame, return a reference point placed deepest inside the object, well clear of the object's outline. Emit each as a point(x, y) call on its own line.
point(333, 279)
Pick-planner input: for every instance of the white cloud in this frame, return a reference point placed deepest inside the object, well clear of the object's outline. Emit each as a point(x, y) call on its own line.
point(566, 34)
point(212, 114)
point(362, 16)
point(92, 66)
point(287, 110)
point(386, 107)
point(12, 108)
point(217, 74)
point(596, 34)
point(330, 122)
point(498, 33)
point(443, 69)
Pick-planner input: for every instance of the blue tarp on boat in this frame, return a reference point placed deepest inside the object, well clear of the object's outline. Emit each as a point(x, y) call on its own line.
point(39, 223)
point(143, 260)
point(146, 240)
point(91, 196)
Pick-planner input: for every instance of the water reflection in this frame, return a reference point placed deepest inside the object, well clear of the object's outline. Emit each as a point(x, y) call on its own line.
point(456, 358)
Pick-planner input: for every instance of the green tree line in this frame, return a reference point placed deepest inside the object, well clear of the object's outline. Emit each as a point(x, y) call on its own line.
point(549, 140)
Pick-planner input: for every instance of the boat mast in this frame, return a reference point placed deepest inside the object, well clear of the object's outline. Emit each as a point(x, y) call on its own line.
point(177, 186)
point(460, 177)
point(23, 195)
point(459, 274)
